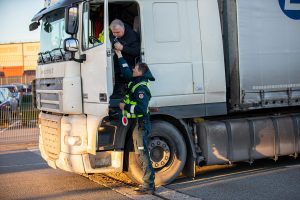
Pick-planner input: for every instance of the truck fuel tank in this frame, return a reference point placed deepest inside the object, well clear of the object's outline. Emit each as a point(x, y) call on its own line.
point(249, 139)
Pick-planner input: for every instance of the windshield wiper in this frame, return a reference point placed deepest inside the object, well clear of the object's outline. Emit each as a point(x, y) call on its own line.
point(43, 58)
point(55, 55)
point(58, 57)
point(47, 59)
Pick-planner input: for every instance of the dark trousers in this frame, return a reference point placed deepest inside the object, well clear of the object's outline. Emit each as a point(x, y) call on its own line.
point(140, 139)
point(120, 87)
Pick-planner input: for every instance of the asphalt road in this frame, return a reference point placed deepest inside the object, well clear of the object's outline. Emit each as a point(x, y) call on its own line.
point(24, 175)
point(263, 180)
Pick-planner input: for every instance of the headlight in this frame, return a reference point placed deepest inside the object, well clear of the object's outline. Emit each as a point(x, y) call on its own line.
point(73, 140)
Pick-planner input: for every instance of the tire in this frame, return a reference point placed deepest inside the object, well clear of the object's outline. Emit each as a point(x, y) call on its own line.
point(174, 149)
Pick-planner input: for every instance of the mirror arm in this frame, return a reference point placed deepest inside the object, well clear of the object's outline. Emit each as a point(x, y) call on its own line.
point(80, 60)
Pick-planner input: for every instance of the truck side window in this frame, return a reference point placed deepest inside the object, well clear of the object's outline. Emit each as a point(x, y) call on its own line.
point(93, 23)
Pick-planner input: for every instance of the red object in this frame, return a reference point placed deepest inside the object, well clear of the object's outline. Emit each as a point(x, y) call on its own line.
point(124, 121)
point(154, 109)
point(98, 28)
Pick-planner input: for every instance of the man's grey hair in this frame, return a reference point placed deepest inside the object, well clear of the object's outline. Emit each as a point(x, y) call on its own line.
point(115, 23)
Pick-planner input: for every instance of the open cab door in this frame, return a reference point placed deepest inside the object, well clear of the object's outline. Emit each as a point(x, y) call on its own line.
point(96, 70)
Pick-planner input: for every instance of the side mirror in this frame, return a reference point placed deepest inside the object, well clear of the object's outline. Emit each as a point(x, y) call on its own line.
point(48, 27)
point(71, 20)
point(33, 26)
point(71, 45)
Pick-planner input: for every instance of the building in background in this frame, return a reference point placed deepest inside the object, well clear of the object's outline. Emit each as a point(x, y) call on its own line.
point(18, 46)
point(18, 62)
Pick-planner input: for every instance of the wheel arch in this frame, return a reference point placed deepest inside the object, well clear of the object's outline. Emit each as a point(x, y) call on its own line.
point(185, 130)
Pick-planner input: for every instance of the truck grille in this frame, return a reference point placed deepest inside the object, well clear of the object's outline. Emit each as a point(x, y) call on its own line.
point(49, 93)
point(50, 128)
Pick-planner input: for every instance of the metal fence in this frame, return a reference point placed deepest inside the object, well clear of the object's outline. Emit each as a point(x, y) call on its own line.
point(25, 79)
point(18, 119)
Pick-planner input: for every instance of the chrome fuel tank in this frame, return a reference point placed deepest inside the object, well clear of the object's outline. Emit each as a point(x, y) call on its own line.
point(249, 139)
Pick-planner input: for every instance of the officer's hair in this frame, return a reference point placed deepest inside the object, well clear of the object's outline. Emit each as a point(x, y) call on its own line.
point(143, 67)
point(115, 23)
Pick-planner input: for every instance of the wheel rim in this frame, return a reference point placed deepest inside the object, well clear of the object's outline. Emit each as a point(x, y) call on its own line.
point(159, 152)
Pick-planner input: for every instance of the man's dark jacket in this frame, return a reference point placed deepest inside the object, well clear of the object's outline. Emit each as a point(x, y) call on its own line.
point(131, 48)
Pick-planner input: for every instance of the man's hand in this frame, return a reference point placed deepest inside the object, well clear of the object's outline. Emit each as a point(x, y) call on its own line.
point(118, 46)
point(119, 53)
point(122, 106)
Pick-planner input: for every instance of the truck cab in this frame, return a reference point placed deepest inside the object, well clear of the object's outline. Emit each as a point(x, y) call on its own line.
point(75, 78)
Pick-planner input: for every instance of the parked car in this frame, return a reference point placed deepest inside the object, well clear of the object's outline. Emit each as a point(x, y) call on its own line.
point(5, 109)
point(29, 88)
point(12, 100)
point(22, 88)
point(14, 91)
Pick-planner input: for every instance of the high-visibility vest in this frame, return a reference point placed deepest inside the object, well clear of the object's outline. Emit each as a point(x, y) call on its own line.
point(101, 36)
point(127, 99)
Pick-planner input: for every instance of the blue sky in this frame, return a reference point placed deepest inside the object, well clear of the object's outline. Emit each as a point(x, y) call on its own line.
point(15, 17)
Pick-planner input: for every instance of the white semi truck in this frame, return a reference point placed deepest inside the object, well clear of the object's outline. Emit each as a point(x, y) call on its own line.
point(227, 83)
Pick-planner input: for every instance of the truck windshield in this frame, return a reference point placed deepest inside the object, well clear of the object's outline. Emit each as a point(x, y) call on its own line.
point(52, 37)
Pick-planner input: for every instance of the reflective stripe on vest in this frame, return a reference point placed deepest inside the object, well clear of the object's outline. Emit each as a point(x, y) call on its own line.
point(127, 99)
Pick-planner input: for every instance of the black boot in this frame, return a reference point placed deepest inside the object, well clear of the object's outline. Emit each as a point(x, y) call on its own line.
point(144, 190)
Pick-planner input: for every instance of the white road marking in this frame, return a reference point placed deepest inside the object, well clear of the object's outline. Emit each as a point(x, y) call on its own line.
point(293, 166)
point(120, 187)
point(128, 191)
point(172, 194)
point(35, 151)
point(222, 176)
point(239, 175)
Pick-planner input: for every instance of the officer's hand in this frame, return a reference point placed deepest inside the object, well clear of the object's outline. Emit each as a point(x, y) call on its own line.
point(118, 46)
point(122, 106)
point(119, 53)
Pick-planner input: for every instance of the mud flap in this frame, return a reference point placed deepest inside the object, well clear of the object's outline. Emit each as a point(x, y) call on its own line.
point(189, 169)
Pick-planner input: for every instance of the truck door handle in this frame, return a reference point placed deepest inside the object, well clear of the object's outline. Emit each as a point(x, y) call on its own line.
point(108, 53)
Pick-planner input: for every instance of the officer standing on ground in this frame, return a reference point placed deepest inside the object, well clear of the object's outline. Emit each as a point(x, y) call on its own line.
point(135, 106)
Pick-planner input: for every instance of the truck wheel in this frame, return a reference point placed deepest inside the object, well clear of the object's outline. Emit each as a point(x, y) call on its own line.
point(167, 152)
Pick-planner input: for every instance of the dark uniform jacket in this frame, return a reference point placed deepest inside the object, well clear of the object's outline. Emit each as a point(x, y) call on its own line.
point(131, 49)
point(142, 93)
